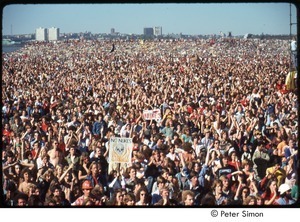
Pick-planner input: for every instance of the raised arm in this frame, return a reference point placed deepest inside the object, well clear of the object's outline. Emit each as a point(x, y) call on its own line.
point(65, 173)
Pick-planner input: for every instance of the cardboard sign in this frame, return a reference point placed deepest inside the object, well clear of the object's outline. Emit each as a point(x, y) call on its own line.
point(120, 150)
point(152, 114)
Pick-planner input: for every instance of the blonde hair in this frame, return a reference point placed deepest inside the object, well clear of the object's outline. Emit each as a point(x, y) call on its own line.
point(43, 148)
point(49, 172)
point(29, 187)
point(245, 162)
point(186, 193)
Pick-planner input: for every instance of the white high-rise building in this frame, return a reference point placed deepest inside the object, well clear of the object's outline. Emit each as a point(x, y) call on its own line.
point(53, 34)
point(41, 34)
point(157, 31)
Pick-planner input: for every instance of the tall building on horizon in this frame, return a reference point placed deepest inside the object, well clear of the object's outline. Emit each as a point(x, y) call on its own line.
point(44, 34)
point(148, 31)
point(41, 34)
point(53, 34)
point(158, 31)
point(112, 31)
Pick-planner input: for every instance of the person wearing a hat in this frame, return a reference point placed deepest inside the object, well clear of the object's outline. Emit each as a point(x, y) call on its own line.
point(285, 195)
point(86, 187)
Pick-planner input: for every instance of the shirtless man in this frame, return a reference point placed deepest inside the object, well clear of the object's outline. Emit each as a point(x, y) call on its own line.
point(24, 186)
point(55, 154)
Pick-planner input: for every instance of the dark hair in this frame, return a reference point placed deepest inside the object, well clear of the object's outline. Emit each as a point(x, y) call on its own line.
point(208, 200)
point(140, 181)
point(25, 170)
point(20, 196)
point(54, 187)
point(192, 174)
point(138, 194)
point(27, 154)
point(244, 188)
point(178, 142)
point(129, 196)
point(277, 160)
point(11, 186)
point(9, 154)
point(260, 143)
point(225, 155)
point(34, 200)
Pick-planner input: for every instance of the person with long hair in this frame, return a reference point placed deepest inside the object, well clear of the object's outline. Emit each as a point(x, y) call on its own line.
point(271, 193)
point(26, 180)
point(129, 199)
point(58, 171)
point(84, 165)
point(96, 177)
point(117, 198)
point(17, 171)
point(142, 197)
point(220, 198)
point(39, 161)
point(226, 188)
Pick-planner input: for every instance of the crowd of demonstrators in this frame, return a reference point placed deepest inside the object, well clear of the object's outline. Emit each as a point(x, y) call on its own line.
point(227, 136)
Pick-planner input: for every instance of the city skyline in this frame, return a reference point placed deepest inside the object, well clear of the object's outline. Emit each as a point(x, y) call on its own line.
point(191, 19)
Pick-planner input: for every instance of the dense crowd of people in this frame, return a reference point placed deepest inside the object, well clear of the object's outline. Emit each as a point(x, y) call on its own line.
point(228, 132)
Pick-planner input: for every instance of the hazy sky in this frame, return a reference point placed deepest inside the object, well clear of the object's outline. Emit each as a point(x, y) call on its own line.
point(239, 18)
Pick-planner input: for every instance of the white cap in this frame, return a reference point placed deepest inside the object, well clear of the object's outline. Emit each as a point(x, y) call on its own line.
point(283, 188)
point(231, 150)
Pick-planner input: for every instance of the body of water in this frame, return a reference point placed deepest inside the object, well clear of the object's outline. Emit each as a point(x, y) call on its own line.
point(11, 48)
